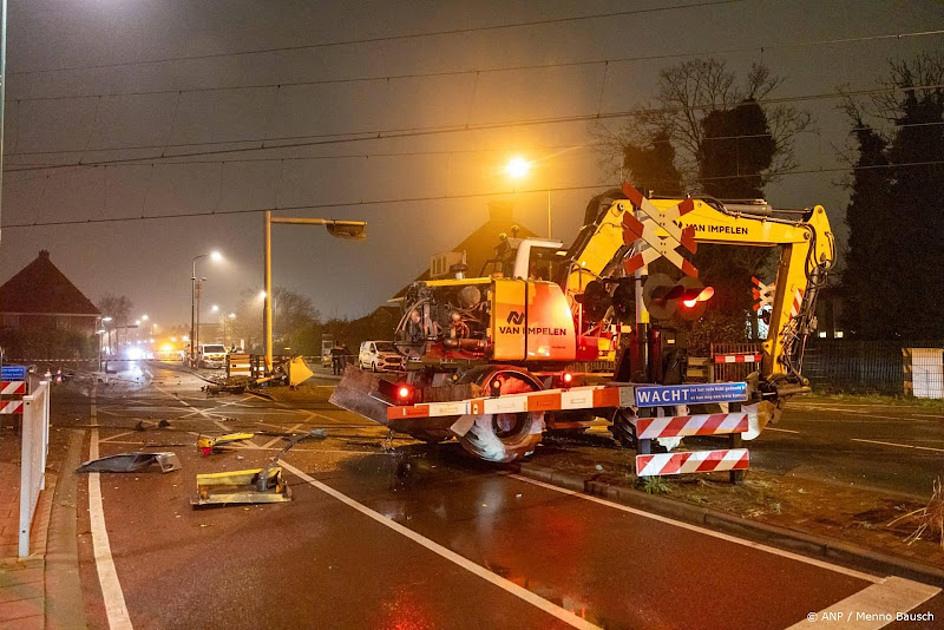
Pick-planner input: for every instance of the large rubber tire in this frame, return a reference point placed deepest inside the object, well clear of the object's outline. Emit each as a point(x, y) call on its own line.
point(507, 437)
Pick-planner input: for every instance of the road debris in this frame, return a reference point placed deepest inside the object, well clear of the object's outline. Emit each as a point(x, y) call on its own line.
point(929, 519)
point(131, 462)
point(255, 485)
point(214, 444)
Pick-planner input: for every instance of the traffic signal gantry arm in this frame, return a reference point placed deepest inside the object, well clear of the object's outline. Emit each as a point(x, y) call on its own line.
point(804, 238)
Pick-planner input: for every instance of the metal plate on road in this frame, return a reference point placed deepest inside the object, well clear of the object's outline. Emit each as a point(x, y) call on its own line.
point(13, 373)
point(658, 395)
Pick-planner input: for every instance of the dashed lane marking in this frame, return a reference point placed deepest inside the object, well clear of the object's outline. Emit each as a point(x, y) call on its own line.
point(701, 530)
point(115, 608)
point(518, 591)
point(872, 606)
point(881, 443)
point(781, 430)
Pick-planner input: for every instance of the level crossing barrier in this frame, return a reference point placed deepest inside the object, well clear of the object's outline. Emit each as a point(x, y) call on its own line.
point(652, 423)
point(34, 450)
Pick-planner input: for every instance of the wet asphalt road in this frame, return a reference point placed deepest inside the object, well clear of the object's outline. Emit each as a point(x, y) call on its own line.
point(895, 449)
point(400, 537)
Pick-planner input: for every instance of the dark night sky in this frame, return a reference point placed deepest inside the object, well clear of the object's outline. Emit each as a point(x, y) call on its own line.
point(150, 260)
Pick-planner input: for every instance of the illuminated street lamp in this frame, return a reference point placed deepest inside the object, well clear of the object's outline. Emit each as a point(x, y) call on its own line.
point(214, 256)
point(518, 168)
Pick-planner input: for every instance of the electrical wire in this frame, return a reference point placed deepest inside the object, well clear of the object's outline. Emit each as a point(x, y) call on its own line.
point(292, 142)
point(418, 199)
point(478, 71)
point(388, 38)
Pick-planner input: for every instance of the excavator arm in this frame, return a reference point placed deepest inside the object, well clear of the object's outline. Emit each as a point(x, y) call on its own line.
point(806, 248)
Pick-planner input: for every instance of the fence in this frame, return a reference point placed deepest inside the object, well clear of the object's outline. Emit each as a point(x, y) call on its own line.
point(850, 366)
point(34, 450)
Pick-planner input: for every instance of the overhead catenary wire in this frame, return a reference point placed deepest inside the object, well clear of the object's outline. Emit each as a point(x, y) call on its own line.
point(292, 142)
point(387, 38)
point(605, 62)
point(421, 199)
point(169, 161)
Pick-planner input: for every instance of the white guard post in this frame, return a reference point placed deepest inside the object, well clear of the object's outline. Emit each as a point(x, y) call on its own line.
point(34, 450)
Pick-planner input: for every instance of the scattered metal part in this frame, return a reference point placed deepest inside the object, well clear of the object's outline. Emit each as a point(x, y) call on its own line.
point(131, 462)
point(255, 485)
point(214, 444)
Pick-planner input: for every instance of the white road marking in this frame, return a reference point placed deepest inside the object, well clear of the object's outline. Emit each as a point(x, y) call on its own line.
point(115, 436)
point(872, 607)
point(115, 608)
point(920, 448)
point(780, 430)
point(522, 593)
point(701, 530)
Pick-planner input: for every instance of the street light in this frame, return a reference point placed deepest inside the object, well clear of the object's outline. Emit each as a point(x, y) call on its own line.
point(215, 256)
point(215, 309)
point(354, 230)
point(518, 168)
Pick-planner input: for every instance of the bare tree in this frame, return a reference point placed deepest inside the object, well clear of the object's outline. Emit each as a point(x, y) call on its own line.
point(691, 91)
point(118, 307)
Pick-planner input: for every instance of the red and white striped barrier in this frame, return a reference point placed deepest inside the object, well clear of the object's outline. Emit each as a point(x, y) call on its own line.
point(12, 388)
point(701, 424)
point(692, 462)
point(11, 407)
point(587, 397)
point(749, 357)
point(797, 302)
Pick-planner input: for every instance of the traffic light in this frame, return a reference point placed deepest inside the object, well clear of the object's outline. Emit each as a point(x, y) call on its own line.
point(664, 297)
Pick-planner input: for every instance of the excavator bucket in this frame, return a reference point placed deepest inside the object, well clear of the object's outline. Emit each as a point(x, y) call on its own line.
point(365, 393)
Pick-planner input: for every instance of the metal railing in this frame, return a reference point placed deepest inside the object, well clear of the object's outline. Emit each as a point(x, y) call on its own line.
point(34, 449)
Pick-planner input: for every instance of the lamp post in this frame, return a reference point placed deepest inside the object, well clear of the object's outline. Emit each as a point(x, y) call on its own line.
point(339, 229)
point(215, 256)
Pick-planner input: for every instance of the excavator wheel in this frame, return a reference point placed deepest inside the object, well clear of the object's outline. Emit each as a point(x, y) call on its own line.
point(505, 437)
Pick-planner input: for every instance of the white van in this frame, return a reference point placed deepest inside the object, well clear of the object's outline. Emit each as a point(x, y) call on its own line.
point(379, 356)
point(211, 355)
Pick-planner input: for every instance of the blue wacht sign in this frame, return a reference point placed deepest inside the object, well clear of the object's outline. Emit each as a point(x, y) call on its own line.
point(696, 393)
point(13, 373)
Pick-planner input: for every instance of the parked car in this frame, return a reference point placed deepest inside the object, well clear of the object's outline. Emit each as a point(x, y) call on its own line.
point(379, 356)
point(212, 355)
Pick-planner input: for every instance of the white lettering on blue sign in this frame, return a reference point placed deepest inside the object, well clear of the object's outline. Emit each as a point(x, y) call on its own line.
point(698, 393)
point(13, 373)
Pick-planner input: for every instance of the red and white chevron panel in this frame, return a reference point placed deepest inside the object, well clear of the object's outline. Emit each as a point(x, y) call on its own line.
point(11, 407)
point(701, 424)
point(12, 388)
point(750, 357)
point(692, 462)
point(797, 302)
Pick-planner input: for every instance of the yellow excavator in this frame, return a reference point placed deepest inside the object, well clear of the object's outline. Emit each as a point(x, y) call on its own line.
point(541, 315)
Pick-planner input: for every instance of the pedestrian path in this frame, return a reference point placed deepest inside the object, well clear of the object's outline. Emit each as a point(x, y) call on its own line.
point(22, 581)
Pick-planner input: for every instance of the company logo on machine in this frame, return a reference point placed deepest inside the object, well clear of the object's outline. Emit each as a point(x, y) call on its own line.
point(514, 317)
point(658, 395)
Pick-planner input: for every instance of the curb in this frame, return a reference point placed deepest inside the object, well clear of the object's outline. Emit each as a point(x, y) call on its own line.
point(780, 537)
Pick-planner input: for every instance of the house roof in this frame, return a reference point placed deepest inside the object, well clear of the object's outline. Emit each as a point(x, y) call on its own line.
point(41, 288)
point(479, 246)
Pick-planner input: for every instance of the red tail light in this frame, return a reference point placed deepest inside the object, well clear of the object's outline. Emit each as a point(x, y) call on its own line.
point(404, 394)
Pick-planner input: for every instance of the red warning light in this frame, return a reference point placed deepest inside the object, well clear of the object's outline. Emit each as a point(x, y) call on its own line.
point(567, 378)
point(404, 392)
